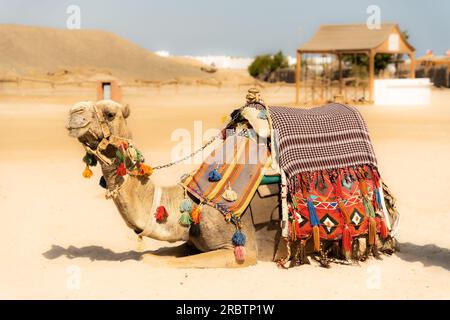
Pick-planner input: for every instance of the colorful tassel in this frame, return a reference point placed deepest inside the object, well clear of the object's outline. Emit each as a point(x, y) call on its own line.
point(347, 241)
point(313, 218)
point(239, 253)
point(316, 238)
point(344, 212)
point(378, 199)
point(214, 175)
point(90, 160)
point(196, 214)
point(238, 238)
point(185, 219)
point(87, 173)
point(363, 187)
point(368, 208)
point(102, 182)
point(186, 205)
point(145, 170)
point(383, 229)
point(121, 170)
point(372, 231)
point(161, 214)
point(230, 195)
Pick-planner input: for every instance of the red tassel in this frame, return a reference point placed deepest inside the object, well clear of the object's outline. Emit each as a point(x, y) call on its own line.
point(239, 253)
point(383, 229)
point(161, 214)
point(347, 241)
point(196, 214)
point(121, 170)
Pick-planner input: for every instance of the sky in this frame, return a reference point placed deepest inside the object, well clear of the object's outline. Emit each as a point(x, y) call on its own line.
point(234, 27)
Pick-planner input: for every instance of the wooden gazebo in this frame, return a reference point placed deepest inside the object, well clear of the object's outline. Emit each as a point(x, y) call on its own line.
point(355, 39)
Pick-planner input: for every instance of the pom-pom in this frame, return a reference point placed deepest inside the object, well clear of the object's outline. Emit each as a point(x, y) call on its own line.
point(145, 170)
point(102, 182)
point(239, 253)
point(87, 172)
point(196, 214)
point(90, 160)
point(121, 170)
point(185, 219)
point(230, 195)
point(238, 238)
point(161, 214)
point(214, 176)
point(186, 205)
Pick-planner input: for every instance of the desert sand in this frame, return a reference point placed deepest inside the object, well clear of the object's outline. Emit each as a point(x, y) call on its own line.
point(60, 238)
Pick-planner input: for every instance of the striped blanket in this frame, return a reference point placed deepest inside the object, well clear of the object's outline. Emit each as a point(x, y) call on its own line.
point(329, 137)
point(241, 162)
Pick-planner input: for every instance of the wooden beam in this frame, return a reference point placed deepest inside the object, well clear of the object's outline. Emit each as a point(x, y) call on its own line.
point(297, 78)
point(371, 74)
point(340, 73)
point(412, 66)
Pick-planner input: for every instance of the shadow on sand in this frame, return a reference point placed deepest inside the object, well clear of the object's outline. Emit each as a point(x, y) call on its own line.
point(98, 253)
point(429, 255)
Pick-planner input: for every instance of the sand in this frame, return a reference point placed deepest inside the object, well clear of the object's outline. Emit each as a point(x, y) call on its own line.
point(60, 238)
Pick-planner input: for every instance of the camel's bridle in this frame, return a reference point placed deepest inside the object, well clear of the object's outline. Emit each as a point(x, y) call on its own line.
point(108, 138)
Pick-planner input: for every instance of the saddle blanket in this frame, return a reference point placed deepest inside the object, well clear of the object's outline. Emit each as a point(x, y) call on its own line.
point(241, 162)
point(328, 137)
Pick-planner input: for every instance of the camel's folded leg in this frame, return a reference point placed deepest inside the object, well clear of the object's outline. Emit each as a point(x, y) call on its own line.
point(221, 258)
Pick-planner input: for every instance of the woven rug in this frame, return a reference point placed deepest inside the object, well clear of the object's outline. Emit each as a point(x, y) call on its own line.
point(241, 162)
point(329, 137)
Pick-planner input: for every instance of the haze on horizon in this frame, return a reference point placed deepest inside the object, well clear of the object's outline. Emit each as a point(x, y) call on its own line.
point(232, 27)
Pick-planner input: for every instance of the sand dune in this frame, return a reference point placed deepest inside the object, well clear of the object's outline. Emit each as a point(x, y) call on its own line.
point(52, 53)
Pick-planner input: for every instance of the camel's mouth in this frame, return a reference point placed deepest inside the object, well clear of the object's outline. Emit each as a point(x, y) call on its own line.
point(78, 122)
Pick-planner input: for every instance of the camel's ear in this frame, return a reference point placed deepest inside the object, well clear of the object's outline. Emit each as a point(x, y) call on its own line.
point(126, 111)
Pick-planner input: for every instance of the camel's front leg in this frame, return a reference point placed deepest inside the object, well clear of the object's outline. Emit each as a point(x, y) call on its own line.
point(221, 258)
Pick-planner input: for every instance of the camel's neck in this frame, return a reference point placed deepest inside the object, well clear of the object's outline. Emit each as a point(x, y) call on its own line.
point(134, 200)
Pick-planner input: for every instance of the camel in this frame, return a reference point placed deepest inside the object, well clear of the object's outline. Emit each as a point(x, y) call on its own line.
point(133, 197)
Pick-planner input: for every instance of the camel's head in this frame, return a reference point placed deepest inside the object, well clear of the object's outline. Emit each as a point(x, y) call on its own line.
point(84, 122)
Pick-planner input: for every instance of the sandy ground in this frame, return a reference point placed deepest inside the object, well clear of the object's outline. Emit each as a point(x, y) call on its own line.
point(60, 238)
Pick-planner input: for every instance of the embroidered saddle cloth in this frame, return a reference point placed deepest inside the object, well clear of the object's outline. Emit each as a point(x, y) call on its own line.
point(240, 162)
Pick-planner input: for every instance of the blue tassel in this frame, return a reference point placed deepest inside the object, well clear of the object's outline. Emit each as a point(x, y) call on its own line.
point(238, 238)
point(186, 205)
point(378, 198)
point(313, 218)
point(214, 176)
point(102, 182)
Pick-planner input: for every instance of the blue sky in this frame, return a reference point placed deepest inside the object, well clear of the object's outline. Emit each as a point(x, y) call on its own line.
point(233, 27)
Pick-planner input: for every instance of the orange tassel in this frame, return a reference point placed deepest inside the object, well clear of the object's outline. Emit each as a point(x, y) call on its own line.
point(363, 187)
point(372, 231)
point(383, 229)
point(196, 214)
point(87, 173)
point(347, 241)
point(145, 170)
point(343, 210)
point(316, 238)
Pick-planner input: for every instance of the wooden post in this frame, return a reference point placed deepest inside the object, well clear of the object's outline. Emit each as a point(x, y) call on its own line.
point(371, 74)
point(297, 77)
point(412, 66)
point(340, 73)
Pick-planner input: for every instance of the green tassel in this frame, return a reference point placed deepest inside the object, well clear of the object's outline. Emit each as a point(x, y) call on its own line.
point(185, 219)
point(370, 212)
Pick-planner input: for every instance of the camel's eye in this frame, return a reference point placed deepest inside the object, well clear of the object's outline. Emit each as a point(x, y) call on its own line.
point(110, 115)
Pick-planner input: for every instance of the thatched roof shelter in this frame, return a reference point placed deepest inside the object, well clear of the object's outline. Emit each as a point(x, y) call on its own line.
point(356, 38)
